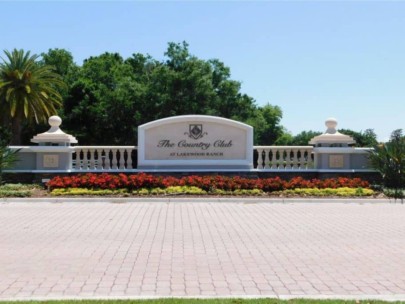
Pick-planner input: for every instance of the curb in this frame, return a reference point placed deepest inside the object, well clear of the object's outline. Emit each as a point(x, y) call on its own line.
point(245, 200)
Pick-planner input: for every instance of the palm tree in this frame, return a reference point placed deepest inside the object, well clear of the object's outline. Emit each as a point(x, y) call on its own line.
point(28, 91)
point(389, 160)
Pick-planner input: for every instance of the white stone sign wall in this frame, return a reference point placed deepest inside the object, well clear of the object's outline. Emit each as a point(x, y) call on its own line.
point(195, 141)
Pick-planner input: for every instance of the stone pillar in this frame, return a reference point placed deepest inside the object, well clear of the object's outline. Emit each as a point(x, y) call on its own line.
point(333, 150)
point(54, 151)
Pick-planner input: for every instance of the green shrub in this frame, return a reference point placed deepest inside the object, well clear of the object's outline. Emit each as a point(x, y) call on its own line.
point(18, 187)
point(395, 193)
point(253, 192)
point(185, 190)
point(220, 192)
point(389, 160)
point(8, 157)
point(84, 191)
point(191, 190)
point(157, 191)
point(142, 191)
point(248, 192)
point(16, 190)
point(15, 193)
point(329, 192)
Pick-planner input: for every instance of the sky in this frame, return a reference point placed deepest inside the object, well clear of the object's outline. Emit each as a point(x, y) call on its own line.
point(314, 59)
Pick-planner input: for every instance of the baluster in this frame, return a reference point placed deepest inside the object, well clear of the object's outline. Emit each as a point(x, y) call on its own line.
point(259, 158)
point(306, 158)
point(310, 162)
point(266, 159)
point(295, 159)
point(92, 161)
point(303, 160)
point(281, 159)
point(114, 159)
point(274, 159)
point(99, 164)
point(129, 159)
point(122, 159)
point(85, 164)
point(288, 159)
point(300, 156)
point(77, 161)
point(74, 164)
point(107, 163)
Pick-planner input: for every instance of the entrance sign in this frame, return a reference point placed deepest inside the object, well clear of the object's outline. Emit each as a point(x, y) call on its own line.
point(195, 142)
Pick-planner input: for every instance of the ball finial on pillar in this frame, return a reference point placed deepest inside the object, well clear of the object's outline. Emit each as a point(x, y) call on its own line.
point(54, 135)
point(55, 121)
point(331, 124)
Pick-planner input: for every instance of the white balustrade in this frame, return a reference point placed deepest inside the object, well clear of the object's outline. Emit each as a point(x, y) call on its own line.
point(107, 158)
point(103, 158)
point(284, 157)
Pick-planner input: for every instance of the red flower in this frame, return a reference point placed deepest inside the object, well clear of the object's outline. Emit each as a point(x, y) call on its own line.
point(143, 180)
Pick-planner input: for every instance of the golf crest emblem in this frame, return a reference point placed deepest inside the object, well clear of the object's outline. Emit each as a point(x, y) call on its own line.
point(195, 131)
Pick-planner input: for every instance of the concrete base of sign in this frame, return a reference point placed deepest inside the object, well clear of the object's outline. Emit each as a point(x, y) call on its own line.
point(197, 166)
point(195, 142)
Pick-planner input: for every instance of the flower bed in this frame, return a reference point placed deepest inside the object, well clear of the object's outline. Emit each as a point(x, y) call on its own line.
point(210, 184)
point(191, 190)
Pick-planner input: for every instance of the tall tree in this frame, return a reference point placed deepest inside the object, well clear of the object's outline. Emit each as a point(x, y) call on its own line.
point(111, 96)
point(266, 123)
point(62, 62)
point(104, 104)
point(28, 91)
point(60, 59)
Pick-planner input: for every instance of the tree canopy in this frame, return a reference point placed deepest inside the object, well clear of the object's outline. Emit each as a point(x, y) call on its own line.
point(368, 138)
point(109, 96)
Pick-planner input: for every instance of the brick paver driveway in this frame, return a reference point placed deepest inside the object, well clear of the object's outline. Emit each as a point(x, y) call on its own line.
point(201, 249)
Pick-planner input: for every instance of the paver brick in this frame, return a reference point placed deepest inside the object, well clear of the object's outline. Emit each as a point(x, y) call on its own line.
point(209, 249)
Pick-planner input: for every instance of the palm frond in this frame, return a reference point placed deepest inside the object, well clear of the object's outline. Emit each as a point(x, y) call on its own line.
point(30, 89)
